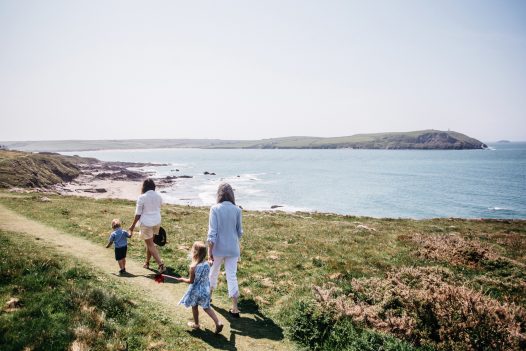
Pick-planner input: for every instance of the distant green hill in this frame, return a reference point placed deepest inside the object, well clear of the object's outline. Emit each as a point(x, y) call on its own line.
point(423, 139)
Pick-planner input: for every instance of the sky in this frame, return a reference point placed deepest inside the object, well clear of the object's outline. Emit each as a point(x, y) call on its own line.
point(260, 69)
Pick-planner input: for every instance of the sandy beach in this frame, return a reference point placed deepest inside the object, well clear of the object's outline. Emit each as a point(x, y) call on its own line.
point(114, 189)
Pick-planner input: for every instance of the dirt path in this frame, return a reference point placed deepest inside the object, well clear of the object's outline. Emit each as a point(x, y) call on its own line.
point(251, 332)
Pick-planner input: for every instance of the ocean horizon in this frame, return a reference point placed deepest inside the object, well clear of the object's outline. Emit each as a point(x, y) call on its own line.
point(376, 183)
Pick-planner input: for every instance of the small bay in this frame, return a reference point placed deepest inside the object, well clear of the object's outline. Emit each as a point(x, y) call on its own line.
point(378, 183)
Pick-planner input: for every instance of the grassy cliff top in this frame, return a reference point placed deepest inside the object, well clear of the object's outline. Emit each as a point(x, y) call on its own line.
point(343, 282)
point(423, 139)
point(23, 169)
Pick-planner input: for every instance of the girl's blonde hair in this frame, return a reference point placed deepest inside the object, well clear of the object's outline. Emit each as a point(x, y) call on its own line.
point(198, 253)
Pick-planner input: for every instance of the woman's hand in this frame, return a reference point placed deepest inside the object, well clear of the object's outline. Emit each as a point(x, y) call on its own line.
point(135, 220)
point(210, 254)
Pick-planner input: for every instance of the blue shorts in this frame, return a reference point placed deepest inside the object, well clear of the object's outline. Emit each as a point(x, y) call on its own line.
point(120, 252)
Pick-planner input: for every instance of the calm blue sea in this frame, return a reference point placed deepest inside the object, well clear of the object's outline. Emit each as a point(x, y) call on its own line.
point(377, 183)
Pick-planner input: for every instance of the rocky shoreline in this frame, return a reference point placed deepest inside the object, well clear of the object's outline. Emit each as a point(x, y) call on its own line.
point(102, 179)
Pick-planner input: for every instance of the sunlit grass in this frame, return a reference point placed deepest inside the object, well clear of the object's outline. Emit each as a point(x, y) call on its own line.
point(285, 254)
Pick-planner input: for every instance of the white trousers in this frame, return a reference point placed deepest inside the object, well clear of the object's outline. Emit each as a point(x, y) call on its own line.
point(231, 272)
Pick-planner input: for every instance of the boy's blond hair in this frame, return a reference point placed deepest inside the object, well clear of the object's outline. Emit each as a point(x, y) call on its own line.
point(116, 223)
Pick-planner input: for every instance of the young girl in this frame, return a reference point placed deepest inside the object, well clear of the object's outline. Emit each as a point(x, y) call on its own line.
point(198, 293)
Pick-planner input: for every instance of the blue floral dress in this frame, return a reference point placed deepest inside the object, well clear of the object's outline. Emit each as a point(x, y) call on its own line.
point(198, 293)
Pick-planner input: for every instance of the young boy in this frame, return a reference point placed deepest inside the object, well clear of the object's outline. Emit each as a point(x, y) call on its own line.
point(119, 237)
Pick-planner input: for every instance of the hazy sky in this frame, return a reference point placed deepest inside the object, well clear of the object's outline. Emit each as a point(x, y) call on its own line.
point(258, 69)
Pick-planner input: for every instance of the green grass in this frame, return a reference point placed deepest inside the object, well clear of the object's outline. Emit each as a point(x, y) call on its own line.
point(285, 255)
point(62, 302)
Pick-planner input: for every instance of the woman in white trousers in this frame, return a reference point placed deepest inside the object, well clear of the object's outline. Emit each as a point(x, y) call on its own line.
point(224, 233)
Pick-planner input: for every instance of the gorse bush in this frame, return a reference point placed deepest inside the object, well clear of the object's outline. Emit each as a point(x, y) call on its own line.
point(423, 306)
point(453, 248)
point(316, 328)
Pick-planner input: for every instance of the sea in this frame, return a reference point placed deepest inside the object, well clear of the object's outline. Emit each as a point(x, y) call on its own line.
point(416, 184)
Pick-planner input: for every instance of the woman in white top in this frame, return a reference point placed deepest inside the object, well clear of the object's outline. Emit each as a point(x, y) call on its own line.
point(148, 212)
point(224, 232)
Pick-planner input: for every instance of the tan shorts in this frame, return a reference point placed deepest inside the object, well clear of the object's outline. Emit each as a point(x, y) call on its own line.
point(148, 232)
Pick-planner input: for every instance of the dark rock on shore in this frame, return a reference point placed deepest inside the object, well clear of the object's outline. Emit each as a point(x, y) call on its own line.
point(275, 206)
point(177, 177)
point(122, 174)
point(96, 190)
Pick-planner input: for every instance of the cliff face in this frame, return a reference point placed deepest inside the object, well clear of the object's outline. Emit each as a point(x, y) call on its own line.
point(444, 140)
point(425, 140)
point(20, 169)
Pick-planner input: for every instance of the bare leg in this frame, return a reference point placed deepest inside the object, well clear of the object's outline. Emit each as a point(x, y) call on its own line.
point(124, 263)
point(121, 264)
point(195, 312)
point(234, 304)
point(212, 314)
point(153, 251)
point(148, 255)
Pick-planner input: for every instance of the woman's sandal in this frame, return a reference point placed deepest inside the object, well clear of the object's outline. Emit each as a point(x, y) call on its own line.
point(219, 328)
point(234, 314)
point(161, 268)
point(146, 265)
point(194, 326)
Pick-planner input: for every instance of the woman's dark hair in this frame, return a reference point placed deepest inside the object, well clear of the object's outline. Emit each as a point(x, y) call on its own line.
point(148, 184)
point(225, 193)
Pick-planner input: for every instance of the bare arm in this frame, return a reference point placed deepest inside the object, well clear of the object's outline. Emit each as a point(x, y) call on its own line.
point(188, 280)
point(210, 254)
point(135, 220)
point(109, 243)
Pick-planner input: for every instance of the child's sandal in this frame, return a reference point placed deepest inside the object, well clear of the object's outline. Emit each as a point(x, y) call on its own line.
point(219, 328)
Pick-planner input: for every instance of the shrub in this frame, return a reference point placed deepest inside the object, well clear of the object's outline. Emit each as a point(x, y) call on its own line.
point(318, 329)
point(423, 306)
point(453, 249)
